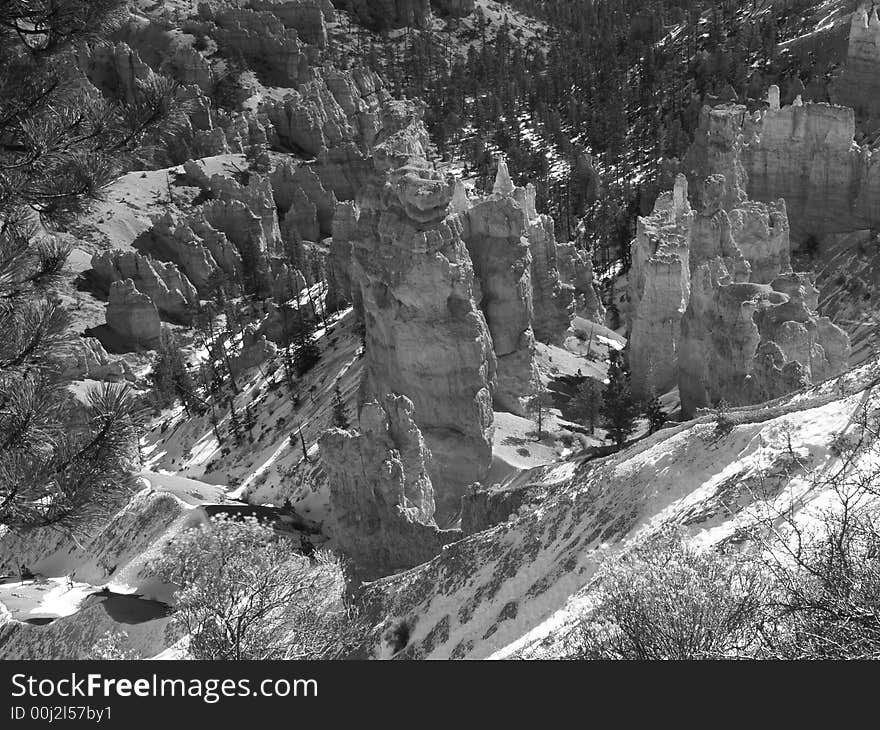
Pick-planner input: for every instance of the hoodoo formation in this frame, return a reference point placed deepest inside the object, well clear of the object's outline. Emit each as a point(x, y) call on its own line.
point(714, 303)
point(438, 329)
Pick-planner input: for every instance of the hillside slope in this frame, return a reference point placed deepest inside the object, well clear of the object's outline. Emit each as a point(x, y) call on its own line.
point(517, 588)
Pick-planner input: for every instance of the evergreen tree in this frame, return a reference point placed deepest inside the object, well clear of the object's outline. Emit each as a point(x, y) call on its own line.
point(538, 405)
point(61, 142)
point(340, 412)
point(306, 354)
point(250, 420)
point(619, 409)
point(587, 403)
point(654, 412)
point(583, 185)
point(256, 276)
point(234, 424)
point(170, 376)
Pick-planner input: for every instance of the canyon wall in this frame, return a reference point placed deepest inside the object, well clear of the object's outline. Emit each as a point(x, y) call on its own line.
point(804, 153)
point(713, 302)
point(858, 86)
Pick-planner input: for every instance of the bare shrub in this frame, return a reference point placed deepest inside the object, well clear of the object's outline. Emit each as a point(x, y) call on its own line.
point(245, 594)
point(807, 588)
point(112, 646)
point(827, 603)
point(668, 600)
point(826, 570)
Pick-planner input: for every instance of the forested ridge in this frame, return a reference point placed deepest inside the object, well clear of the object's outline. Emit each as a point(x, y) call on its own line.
point(597, 110)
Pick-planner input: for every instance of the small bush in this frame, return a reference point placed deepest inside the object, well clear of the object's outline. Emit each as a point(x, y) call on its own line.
point(398, 636)
point(723, 422)
point(667, 600)
point(244, 593)
point(111, 646)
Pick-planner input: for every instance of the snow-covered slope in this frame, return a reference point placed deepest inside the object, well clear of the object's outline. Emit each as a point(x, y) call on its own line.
point(517, 587)
point(514, 589)
point(86, 585)
point(848, 277)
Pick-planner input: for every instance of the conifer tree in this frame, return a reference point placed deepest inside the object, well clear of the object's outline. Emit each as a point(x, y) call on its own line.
point(340, 412)
point(653, 411)
point(234, 424)
point(538, 405)
point(60, 143)
point(306, 354)
point(61, 140)
point(619, 408)
point(587, 403)
point(170, 376)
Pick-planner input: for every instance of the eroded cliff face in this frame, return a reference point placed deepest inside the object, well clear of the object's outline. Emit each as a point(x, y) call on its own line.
point(247, 213)
point(745, 339)
point(198, 249)
point(132, 315)
point(307, 17)
point(858, 86)
point(659, 289)
point(87, 358)
point(261, 37)
point(393, 13)
point(804, 153)
point(575, 270)
point(381, 496)
point(413, 13)
point(494, 233)
point(307, 206)
point(748, 343)
point(333, 118)
point(714, 304)
point(329, 111)
point(560, 276)
point(452, 290)
point(171, 292)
